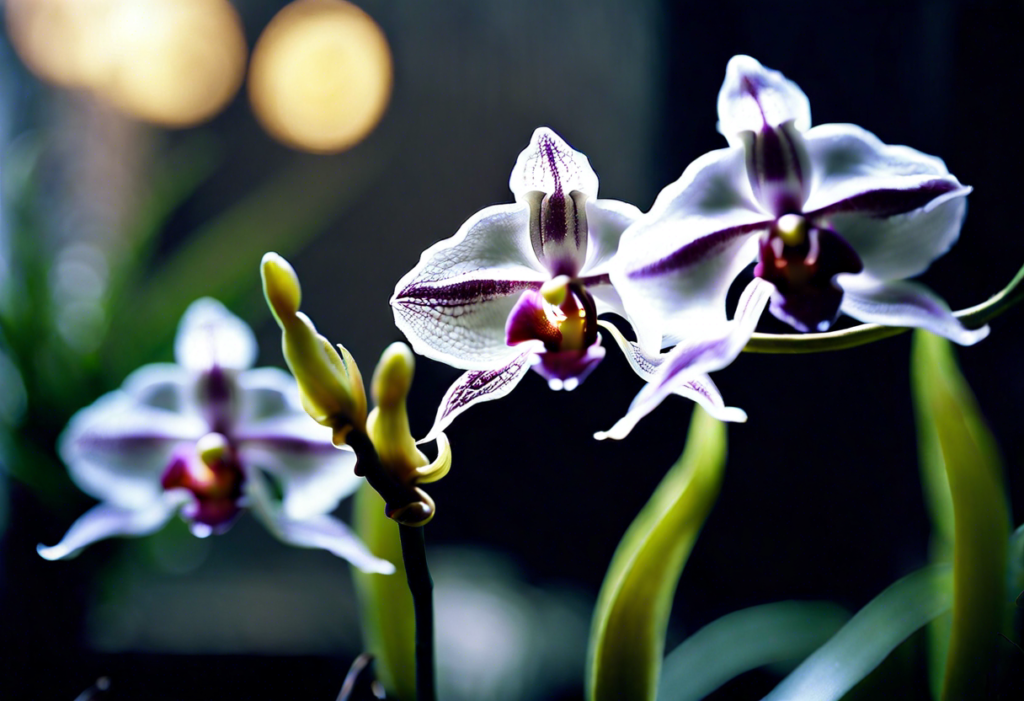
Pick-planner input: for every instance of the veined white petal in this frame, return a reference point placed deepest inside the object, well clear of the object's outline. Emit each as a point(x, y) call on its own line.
point(209, 335)
point(753, 96)
point(684, 369)
point(454, 304)
point(478, 386)
point(903, 303)
point(323, 532)
point(107, 520)
point(550, 165)
point(849, 163)
point(116, 449)
point(607, 219)
point(676, 263)
point(904, 245)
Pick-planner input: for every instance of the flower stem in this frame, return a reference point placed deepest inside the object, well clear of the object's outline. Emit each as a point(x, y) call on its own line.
point(414, 556)
point(422, 586)
point(972, 318)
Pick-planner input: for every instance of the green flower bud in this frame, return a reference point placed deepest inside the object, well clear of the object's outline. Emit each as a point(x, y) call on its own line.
point(329, 380)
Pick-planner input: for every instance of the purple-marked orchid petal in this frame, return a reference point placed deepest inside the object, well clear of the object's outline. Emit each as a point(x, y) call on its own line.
point(683, 370)
point(529, 321)
point(209, 335)
point(903, 303)
point(904, 245)
point(607, 219)
point(854, 172)
point(643, 364)
point(478, 386)
point(753, 96)
point(550, 165)
point(322, 532)
point(453, 305)
point(778, 168)
point(568, 369)
point(555, 181)
point(676, 263)
point(107, 521)
point(116, 449)
point(900, 209)
point(699, 389)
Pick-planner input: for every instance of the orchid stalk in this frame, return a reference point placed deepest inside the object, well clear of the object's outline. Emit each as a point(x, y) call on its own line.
point(333, 395)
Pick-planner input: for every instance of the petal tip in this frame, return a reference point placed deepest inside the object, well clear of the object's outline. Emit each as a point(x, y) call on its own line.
point(51, 552)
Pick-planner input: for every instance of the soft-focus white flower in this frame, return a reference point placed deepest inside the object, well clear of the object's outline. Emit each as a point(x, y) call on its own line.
point(207, 438)
point(519, 285)
point(835, 219)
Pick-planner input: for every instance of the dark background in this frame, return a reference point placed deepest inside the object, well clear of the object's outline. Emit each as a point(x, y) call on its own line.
point(821, 498)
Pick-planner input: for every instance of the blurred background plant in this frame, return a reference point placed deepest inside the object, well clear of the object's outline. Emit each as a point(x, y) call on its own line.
point(143, 167)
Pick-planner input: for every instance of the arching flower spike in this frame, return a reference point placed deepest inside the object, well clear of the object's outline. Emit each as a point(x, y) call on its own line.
point(835, 219)
point(206, 438)
point(520, 285)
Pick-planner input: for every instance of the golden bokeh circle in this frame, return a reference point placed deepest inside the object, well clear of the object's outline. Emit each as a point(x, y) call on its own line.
point(176, 62)
point(320, 76)
point(61, 41)
point(173, 62)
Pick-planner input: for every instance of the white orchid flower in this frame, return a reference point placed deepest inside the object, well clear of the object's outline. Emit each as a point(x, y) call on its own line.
point(207, 438)
point(520, 285)
point(835, 219)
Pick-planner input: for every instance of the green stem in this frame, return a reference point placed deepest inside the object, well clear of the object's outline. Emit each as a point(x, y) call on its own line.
point(421, 586)
point(972, 318)
point(414, 556)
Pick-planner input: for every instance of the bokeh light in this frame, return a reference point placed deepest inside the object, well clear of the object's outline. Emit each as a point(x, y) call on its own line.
point(62, 41)
point(171, 62)
point(176, 62)
point(321, 75)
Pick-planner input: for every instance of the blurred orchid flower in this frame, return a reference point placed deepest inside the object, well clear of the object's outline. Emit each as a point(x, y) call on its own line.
point(520, 285)
point(835, 219)
point(206, 438)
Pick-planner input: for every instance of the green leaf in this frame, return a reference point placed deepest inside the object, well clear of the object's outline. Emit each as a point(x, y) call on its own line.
point(869, 637)
point(955, 439)
point(627, 637)
point(385, 604)
point(779, 633)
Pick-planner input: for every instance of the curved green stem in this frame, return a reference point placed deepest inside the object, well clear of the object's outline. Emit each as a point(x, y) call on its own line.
point(414, 556)
point(972, 317)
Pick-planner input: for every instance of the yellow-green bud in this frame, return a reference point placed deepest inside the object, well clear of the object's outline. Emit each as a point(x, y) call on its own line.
point(329, 382)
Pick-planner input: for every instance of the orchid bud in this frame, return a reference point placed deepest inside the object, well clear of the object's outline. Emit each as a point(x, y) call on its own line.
point(388, 427)
point(329, 380)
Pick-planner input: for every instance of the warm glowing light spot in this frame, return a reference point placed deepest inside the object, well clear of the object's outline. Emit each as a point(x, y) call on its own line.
point(321, 75)
point(61, 41)
point(172, 62)
point(176, 62)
